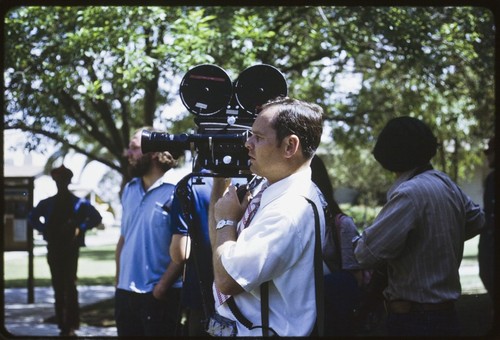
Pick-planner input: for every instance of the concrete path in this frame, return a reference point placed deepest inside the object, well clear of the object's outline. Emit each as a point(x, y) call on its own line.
point(23, 319)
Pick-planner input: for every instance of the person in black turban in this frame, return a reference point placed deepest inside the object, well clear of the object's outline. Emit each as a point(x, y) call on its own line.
point(419, 234)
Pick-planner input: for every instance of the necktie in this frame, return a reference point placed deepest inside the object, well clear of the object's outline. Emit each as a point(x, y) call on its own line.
point(250, 211)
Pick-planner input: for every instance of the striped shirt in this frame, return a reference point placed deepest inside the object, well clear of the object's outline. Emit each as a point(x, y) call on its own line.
point(420, 233)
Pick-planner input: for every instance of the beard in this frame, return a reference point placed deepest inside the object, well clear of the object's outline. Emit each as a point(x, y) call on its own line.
point(141, 167)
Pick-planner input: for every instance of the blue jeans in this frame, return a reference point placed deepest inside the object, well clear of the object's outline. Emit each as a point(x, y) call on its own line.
point(424, 323)
point(143, 315)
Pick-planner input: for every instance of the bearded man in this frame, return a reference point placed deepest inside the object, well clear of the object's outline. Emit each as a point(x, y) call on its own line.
point(148, 281)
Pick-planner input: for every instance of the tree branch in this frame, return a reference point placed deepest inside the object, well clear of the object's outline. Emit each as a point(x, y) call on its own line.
point(59, 138)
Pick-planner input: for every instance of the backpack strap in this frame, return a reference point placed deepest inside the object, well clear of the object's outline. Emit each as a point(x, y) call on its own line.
point(336, 239)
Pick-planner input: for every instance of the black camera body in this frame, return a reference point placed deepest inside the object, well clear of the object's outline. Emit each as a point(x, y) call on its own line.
point(225, 112)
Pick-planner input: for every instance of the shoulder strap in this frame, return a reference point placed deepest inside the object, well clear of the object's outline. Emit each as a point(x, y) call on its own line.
point(167, 206)
point(237, 313)
point(264, 310)
point(318, 272)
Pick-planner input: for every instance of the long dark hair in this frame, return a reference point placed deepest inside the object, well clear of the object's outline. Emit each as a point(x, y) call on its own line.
point(322, 180)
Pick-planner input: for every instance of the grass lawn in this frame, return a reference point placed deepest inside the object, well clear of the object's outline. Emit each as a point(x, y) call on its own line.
point(96, 266)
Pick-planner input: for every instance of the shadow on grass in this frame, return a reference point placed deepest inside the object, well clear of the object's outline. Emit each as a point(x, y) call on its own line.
point(99, 314)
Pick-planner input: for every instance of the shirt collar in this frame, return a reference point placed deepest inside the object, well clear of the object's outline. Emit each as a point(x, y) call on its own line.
point(403, 178)
point(298, 182)
point(167, 178)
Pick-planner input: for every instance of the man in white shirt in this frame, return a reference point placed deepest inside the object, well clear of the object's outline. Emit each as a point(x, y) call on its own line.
point(276, 243)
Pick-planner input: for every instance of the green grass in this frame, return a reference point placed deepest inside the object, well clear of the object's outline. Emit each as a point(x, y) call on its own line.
point(96, 266)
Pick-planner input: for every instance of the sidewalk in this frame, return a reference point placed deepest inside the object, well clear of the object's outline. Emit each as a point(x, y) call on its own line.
point(22, 319)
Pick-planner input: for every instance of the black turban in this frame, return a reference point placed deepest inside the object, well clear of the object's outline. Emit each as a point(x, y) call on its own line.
point(404, 144)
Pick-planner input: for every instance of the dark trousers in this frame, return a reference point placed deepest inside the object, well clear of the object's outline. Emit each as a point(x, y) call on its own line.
point(424, 323)
point(142, 315)
point(63, 263)
point(341, 299)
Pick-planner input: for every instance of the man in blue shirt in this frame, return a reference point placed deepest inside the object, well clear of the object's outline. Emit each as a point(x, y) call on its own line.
point(66, 218)
point(190, 210)
point(148, 280)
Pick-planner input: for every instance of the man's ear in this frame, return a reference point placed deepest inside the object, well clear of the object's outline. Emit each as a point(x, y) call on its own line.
point(292, 145)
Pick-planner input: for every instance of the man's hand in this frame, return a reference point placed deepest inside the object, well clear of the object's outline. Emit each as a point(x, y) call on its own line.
point(229, 206)
point(160, 291)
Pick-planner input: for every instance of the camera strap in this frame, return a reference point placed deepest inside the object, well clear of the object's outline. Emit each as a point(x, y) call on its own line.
point(264, 310)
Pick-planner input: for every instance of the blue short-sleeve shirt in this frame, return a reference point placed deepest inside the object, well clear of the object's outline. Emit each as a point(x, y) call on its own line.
point(147, 231)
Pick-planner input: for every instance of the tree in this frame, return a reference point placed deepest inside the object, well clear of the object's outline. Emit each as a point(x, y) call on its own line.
point(85, 76)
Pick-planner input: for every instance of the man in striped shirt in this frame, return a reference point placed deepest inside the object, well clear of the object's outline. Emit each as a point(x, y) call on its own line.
point(419, 234)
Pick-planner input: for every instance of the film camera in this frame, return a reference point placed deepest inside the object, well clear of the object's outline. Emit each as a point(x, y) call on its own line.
point(224, 114)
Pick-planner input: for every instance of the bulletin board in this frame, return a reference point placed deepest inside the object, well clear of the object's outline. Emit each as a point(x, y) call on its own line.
point(18, 202)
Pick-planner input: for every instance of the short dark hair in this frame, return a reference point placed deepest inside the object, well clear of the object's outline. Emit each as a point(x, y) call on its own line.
point(303, 119)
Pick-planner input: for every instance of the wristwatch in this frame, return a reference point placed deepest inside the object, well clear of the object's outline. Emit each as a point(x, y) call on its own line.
point(222, 223)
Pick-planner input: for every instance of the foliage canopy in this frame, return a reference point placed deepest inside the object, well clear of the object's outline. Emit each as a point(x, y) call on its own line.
point(85, 77)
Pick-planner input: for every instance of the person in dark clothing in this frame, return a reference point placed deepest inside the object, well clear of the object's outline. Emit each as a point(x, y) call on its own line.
point(419, 234)
point(190, 211)
point(486, 248)
point(66, 218)
point(343, 276)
